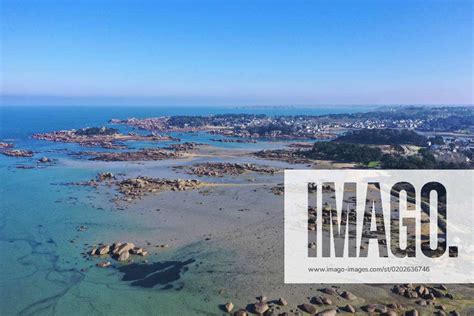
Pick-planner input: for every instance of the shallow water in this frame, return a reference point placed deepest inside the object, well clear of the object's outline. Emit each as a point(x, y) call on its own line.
point(43, 270)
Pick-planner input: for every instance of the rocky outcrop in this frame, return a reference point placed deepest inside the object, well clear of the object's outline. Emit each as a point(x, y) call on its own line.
point(5, 145)
point(184, 147)
point(121, 252)
point(137, 187)
point(105, 176)
point(428, 293)
point(220, 169)
point(104, 137)
point(290, 156)
point(150, 154)
point(44, 160)
point(18, 153)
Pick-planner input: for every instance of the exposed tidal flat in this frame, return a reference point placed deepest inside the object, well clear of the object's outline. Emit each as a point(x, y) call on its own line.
point(224, 239)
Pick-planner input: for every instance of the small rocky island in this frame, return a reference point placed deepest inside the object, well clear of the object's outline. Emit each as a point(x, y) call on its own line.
point(18, 153)
point(134, 188)
point(119, 251)
point(105, 137)
point(5, 145)
point(220, 169)
point(149, 154)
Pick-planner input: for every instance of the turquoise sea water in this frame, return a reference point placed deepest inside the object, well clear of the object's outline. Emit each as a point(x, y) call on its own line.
point(42, 269)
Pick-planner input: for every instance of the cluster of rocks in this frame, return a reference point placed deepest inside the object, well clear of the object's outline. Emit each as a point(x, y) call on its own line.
point(230, 140)
point(425, 295)
point(421, 291)
point(328, 305)
point(290, 156)
point(108, 177)
point(150, 154)
point(119, 251)
point(276, 307)
point(98, 137)
point(184, 147)
point(105, 176)
point(5, 145)
point(18, 153)
point(45, 160)
point(278, 189)
point(261, 307)
point(220, 169)
point(137, 187)
point(324, 305)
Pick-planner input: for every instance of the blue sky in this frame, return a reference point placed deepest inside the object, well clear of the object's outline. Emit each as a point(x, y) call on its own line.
point(236, 52)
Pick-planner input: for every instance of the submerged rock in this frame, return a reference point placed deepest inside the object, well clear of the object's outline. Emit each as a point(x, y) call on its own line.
point(104, 264)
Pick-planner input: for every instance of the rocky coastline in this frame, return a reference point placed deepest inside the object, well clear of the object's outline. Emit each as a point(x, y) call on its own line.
point(103, 137)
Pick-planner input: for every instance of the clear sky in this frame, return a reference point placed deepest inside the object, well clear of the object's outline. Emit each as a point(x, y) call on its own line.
point(237, 52)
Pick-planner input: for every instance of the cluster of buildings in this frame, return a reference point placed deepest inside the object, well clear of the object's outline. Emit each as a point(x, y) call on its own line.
point(454, 148)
